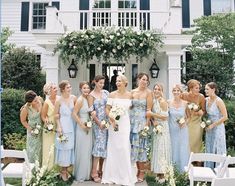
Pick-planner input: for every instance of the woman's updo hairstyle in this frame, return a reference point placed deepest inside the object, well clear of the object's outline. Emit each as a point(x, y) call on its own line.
point(192, 83)
point(30, 96)
point(63, 84)
point(213, 85)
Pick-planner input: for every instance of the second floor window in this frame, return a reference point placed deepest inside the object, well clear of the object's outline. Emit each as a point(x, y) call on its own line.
point(127, 4)
point(100, 4)
point(221, 6)
point(39, 15)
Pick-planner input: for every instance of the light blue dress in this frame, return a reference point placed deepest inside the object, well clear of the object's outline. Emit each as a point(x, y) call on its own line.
point(138, 121)
point(215, 138)
point(179, 138)
point(83, 147)
point(64, 153)
point(100, 136)
point(161, 149)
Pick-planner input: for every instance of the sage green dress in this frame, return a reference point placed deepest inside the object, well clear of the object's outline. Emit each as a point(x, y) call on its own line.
point(34, 143)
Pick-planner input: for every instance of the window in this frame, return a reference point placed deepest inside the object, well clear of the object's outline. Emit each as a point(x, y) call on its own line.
point(102, 4)
point(221, 6)
point(39, 15)
point(127, 4)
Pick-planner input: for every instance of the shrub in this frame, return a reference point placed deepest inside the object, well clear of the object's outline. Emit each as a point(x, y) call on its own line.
point(14, 141)
point(12, 101)
point(21, 70)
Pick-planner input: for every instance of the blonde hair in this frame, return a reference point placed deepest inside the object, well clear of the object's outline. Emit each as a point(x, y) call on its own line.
point(160, 85)
point(47, 88)
point(177, 86)
point(124, 79)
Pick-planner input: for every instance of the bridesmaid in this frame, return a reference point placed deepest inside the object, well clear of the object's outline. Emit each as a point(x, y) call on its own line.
point(142, 101)
point(161, 149)
point(83, 141)
point(178, 129)
point(195, 131)
point(99, 151)
point(31, 120)
point(64, 153)
point(47, 115)
point(217, 113)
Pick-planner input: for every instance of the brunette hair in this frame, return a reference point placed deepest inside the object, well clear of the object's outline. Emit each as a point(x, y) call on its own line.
point(81, 84)
point(30, 96)
point(192, 83)
point(141, 74)
point(63, 84)
point(98, 78)
point(213, 85)
point(124, 79)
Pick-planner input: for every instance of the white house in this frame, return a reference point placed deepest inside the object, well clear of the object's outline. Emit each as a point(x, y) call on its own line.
point(39, 23)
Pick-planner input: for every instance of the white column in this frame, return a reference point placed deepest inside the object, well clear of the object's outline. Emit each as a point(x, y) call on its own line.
point(51, 67)
point(174, 71)
point(114, 15)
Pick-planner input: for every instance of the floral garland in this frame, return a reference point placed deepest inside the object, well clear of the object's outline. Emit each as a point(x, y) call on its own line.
point(106, 43)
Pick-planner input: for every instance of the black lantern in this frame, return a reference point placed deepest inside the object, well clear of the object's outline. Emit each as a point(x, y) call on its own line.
point(72, 70)
point(154, 69)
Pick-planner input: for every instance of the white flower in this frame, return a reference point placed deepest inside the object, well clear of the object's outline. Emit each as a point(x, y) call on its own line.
point(103, 122)
point(38, 126)
point(36, 131)
point(181, 121)
point(98, 48)
point(141, 44)
point(148, 34)
point(208, 122)
point(105, 51)
point(118, 34)
point(190, 106)
point(123, 32)
point(161, 180)
point(92, 36)
point(114, 50)
point(50, 126)
point(146, 128)
point(89, 124)
point(74, 47)
point(118, 47)
point(203, 124)
point(159, 129)
point(195, 107)
point(130, 44)
point(111, 36)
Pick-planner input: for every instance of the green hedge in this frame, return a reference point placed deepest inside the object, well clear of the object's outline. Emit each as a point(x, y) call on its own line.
point(12, 101)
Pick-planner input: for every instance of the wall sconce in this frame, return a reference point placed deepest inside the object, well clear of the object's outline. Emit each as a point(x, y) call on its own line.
point(154, 69)
point(72, 70)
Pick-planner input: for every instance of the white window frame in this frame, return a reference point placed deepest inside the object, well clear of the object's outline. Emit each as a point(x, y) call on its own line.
point(38, 16)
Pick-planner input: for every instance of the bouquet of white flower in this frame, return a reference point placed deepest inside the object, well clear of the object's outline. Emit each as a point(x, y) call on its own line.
point(181, 121)
point(205, 123)
point(88, 124)
point(105, 124)
point(158, 129)
point(116, 112)
point(62, 138)
point(36, 130)
point(49, 127)
point(144, 132)
point(194, 107)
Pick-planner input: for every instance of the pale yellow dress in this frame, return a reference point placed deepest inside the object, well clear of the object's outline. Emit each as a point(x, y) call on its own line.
point(49, 139)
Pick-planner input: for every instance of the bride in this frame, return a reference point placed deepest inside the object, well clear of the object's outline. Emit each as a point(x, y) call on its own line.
point(118, 167)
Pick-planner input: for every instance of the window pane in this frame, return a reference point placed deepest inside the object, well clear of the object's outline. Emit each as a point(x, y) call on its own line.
point(220, 6)
point(120, 4)
point(127, 4)
point(108, 4)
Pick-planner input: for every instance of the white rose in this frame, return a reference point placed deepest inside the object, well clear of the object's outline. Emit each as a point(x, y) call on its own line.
point(107, 125)
point(111, 36)
point(159, 128)
point(98, 48)
point(182, 121)
point(208, 122)
point(141, 44)
point(190, 106)
point(89, 124)
point(118, 34)
point(146, 128)
point(50, 127)
point(118, 47)
point(114, 51)
point(36, 131)
point(195, 107)
point(74, 47)
point(38, 126)
point(103, 122)
point(203, 124)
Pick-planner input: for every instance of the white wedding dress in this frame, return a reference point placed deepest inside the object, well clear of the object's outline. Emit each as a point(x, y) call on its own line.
point(117, 167)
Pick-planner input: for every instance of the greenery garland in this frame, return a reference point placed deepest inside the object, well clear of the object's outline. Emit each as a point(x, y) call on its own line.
point(107, 43)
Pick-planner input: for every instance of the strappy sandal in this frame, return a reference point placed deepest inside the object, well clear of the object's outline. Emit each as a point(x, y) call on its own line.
point(141, 176)
point(95, 178)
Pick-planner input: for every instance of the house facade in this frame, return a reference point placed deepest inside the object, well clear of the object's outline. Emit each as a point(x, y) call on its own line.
point(38, 24)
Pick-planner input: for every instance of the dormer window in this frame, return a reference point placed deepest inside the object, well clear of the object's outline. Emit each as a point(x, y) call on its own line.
point(39, 15)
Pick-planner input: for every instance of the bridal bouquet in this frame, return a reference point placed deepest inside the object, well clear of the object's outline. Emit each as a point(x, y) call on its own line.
point(158, 129)
point(144, 132)
point(181, 121)
point(116, 112)
point(36, 130)
point(62, 138)
point(205, 123)
point(88, 124)
point(105, 124)
point(194, 107)
point(49, 127)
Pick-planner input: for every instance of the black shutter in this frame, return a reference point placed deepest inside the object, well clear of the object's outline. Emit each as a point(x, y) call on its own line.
point(185, 14)
point(84, 5)
point(24, 16)
point(207, 7)
point(144, 5)
point(56, 4)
